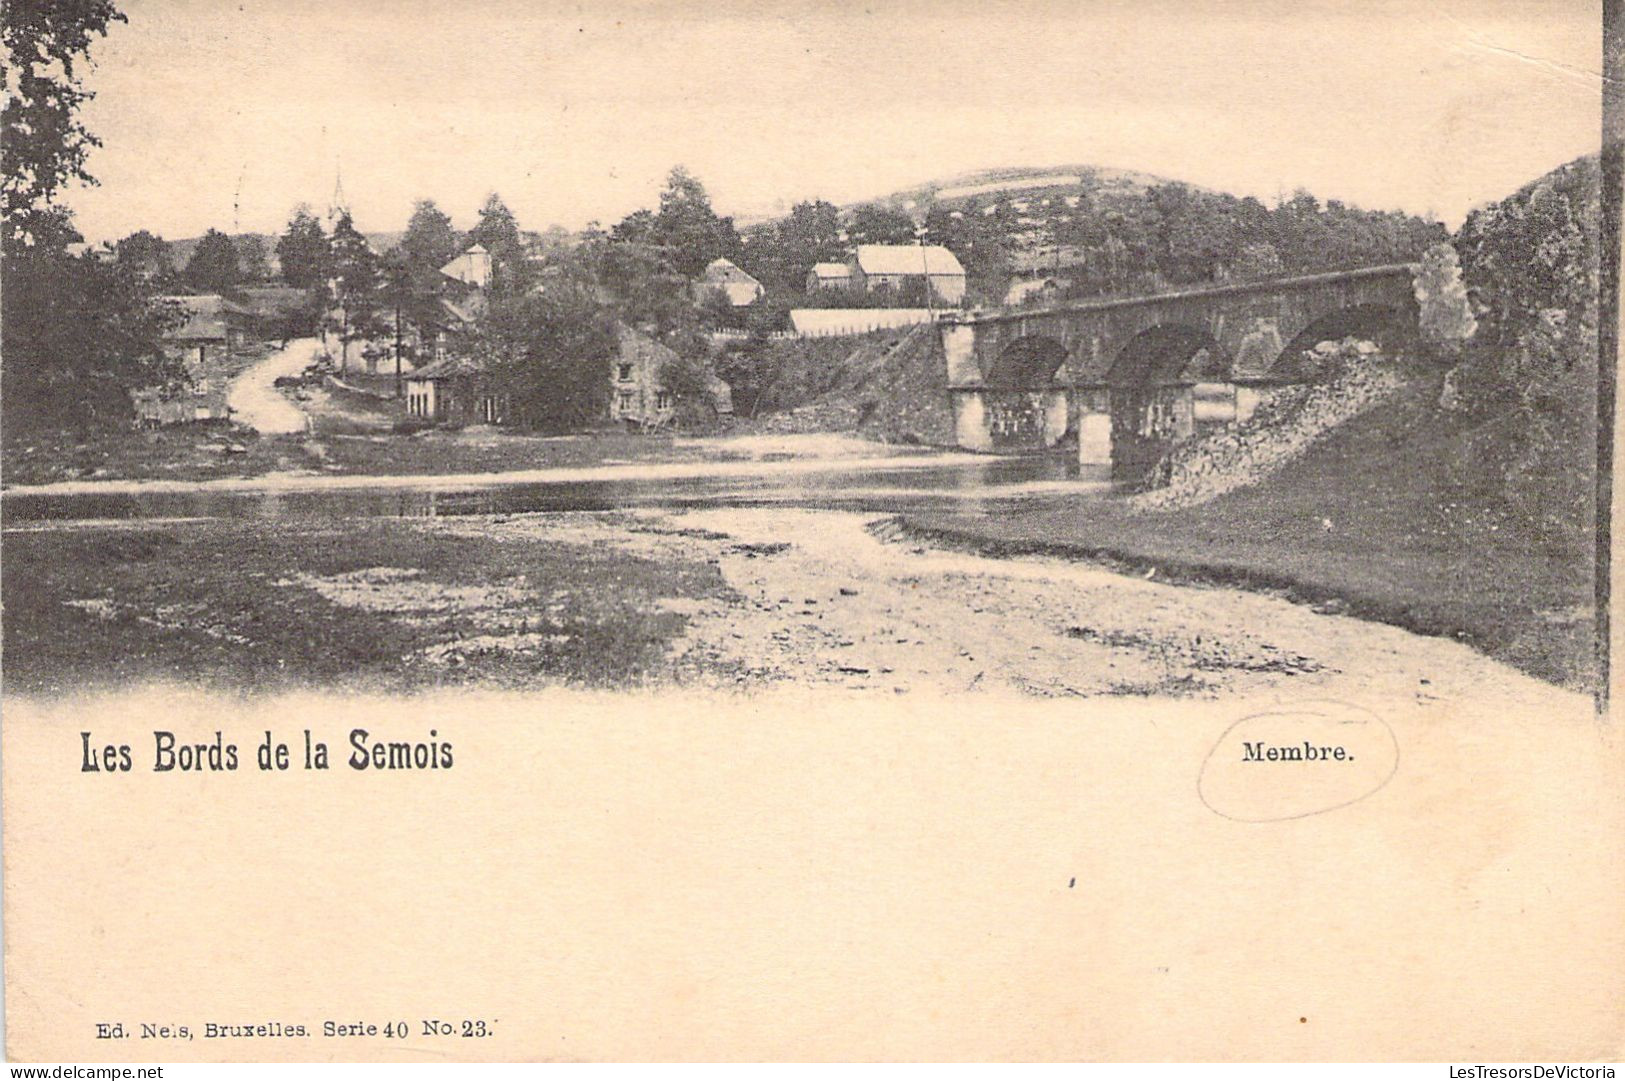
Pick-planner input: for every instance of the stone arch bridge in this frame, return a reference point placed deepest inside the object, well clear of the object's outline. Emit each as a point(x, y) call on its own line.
point(1129, 376)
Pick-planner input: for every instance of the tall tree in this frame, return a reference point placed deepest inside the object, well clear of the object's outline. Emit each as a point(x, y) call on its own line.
point(498, 233)
point(145, 254)
point(357, 288)
point(80, 333)
point(304, 251)
point(690, 231)
point(551, 353)
point(213, 266)
point(253, 265)
point(45, 145)
point(77, 333)
point(783, 256)
point(430, 241)
point(645, 289)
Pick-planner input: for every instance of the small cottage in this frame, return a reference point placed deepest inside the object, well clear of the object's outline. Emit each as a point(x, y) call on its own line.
point(472, 267)
point(722, 275)
point(457, 392)
point(213, 327)
point(638, 397)
point(829, 276)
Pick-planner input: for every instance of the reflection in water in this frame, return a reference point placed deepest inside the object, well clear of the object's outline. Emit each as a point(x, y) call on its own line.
point(986, 488)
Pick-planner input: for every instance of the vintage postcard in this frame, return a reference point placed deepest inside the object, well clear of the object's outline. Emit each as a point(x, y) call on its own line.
point(756, 530)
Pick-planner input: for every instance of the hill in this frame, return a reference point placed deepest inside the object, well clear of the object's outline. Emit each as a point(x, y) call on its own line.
point(1018, 182)
point(1073, 231)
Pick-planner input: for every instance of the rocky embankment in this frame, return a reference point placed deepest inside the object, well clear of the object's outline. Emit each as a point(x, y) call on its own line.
point(1286, 424)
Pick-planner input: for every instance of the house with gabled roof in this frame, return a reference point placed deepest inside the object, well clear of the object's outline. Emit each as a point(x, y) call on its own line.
point(456, 391)
point(471, 267)
point(897, 265)
point(211, 327)
point(722, 275)
point(829, 276)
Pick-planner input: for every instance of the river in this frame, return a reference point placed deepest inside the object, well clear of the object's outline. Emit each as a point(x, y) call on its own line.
point(964, 483)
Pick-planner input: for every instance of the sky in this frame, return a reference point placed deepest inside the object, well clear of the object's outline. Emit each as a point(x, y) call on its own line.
point(227, 114)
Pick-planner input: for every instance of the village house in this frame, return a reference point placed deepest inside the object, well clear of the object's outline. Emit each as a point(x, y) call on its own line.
point(213, 327)
point(462, 302)
point(456, 391)
point(272, 310)
point(472, 267)
point(829, 276)
point(740, 288)
point(638, 397)
point(897, 265)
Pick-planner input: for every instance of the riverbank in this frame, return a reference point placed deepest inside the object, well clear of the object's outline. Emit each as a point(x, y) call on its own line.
point(1374, 521)
point(732, 599)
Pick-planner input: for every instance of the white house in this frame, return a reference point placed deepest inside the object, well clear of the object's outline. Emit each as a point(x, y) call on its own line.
point(896, 265)
point(472, 267)
point(829, 276)
point(740, 288)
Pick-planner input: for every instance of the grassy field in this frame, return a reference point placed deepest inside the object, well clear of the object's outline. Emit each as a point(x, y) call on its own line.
point(1374, 521)
point(384, 605)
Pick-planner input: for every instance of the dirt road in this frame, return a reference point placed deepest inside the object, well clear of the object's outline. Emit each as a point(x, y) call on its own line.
point(255, 400)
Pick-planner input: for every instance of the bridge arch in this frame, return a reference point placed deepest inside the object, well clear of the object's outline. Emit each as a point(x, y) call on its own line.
point(1391, 327)
point(1151, 399)
point(1028, 363)
point(1169, 354)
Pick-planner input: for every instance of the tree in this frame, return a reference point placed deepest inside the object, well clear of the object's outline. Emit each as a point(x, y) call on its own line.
point(690, 231)
point(1256, 261)
point(45, 145)
point(498, 233)
point(643, 287)
point(213, 266)
point(783, 255)
point(80, 333)
point(688, 380)
point(550, 353)
point(357, 288)
point(304, 251)
point(872, 224)
point(430, 241)
point(253, 265)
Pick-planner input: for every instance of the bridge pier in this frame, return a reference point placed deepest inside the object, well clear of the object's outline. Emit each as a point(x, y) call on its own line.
point(1145, 422)
point(989, 419)
point(1094, 426)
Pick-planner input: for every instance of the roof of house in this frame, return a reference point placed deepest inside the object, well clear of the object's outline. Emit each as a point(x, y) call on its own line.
point(463, 310)
point(206, 317)
point(634, 345)
point(463, 262)
point(447, 369)
point(724, 272)
point(268, 301)
point(907, 259)
point(832, 270)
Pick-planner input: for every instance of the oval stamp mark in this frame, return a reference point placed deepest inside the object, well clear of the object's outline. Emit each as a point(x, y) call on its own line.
point(1296, 761)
